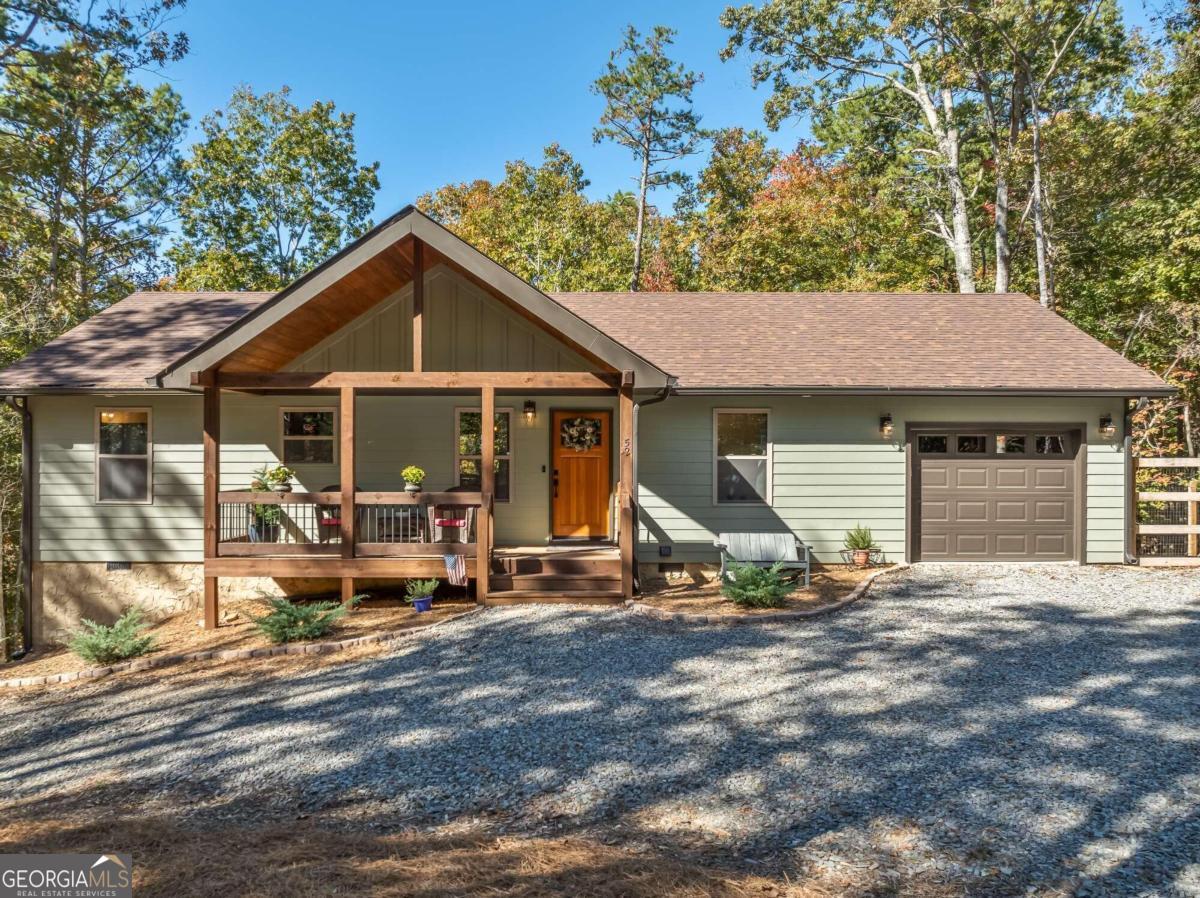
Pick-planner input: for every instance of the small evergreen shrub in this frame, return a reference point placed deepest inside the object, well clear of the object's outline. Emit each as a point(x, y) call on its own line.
point(756, 587)
point(103, 645)
point(418, 589)
point(859, 539)
point(290, 621)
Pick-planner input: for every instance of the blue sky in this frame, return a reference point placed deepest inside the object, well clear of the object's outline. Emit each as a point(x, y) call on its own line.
point(449, 91)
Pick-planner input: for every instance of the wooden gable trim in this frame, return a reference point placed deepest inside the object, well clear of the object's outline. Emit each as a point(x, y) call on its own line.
point(440, 244)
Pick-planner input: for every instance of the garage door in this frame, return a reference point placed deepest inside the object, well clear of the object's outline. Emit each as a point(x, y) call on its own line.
point(992, 494)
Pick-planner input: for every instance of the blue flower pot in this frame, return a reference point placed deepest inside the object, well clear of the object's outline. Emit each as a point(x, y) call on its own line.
point(425, 603)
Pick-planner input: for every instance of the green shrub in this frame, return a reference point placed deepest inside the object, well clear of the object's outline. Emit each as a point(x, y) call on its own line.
point(290, 621)
point(104, 645)
point(860, 538)
point(414, 475)
point(418, 589)
point(756, 587)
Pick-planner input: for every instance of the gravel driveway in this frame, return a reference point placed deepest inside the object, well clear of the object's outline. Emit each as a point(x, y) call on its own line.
point(1008, 727)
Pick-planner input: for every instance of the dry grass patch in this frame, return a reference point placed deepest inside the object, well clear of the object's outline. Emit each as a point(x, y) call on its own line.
point(830, 584)
point(304, 859)
point(182, 633)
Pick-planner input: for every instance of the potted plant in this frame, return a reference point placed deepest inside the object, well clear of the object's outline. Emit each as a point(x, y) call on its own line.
point(413, 476)
point(419, 594)
point(861, 544)
point(272, 479)
point(264, 518)
point(264, 523)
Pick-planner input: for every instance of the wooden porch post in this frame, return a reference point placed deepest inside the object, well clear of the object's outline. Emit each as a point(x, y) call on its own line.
point(418, 313)
point(487, 487)
point(627, 527)
point(346, 439)
point(212, 486)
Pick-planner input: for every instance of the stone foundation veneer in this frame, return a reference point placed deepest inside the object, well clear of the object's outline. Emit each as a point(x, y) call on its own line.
point(66, 592)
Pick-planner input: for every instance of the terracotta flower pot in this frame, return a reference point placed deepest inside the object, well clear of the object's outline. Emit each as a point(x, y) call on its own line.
point(862, 557)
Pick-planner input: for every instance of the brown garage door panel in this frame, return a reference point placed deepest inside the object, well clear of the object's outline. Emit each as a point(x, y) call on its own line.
point(993, 506)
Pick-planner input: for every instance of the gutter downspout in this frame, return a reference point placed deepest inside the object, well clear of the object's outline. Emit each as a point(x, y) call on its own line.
point(26, 563)
point(1131, 556)
point(637, 504)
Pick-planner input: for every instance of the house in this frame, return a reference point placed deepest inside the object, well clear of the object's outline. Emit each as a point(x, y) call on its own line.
point(628, 430)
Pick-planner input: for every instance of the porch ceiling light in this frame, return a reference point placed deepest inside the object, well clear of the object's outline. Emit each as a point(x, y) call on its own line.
point(885, 424)
point(530, 410)
point(1107, 427)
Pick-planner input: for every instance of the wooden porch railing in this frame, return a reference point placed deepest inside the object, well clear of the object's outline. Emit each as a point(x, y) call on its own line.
point(386, 524)
point(1156, 502)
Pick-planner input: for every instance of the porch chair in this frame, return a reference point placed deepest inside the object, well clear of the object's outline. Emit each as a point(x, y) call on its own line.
point(452, 523)
point(764, 550)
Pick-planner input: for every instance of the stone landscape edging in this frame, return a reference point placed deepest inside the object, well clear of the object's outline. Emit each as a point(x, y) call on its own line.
point(291, 648)
point(685, 617)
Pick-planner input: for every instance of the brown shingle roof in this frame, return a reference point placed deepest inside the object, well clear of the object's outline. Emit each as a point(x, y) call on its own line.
point(707, 340)
point(129, 341)
point(928, 341)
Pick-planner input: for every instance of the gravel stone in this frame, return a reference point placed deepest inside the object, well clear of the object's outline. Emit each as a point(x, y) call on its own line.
point(1020, 727)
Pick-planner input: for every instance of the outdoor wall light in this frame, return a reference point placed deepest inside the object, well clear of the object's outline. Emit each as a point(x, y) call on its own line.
point(885, 425)
point(1107, 427)
point(530, 410)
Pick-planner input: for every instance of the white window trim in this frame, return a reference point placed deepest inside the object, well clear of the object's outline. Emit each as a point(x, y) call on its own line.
point(334, 438)
point(149, 456)
point(512, 471)
point(770, 456)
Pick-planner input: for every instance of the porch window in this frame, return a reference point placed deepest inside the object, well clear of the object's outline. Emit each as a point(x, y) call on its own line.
point(468, 450)
point(742, 456)
point(309, 436)
point(124, 447)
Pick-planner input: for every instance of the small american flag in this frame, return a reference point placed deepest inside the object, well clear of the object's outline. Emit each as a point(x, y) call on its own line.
point(456, 569)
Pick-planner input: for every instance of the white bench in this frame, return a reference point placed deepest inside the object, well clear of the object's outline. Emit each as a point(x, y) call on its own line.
point(765, 550)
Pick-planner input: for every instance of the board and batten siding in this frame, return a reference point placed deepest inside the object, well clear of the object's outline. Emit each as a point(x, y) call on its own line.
point(832, 470)
point(393, 431)
point(465, 329)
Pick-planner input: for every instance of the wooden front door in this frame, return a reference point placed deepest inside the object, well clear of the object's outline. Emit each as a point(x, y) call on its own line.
point(581, 456)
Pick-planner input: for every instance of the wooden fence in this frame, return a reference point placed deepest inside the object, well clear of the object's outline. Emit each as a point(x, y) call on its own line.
point(1189, 495)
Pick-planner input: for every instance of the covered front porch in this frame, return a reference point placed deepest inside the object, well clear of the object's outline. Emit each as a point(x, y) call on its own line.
point(511, 508)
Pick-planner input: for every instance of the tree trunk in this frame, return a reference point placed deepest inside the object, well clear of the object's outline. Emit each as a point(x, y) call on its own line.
point(643, 184)
point(1041, 238)
point(1002, 247)
point(964, 265)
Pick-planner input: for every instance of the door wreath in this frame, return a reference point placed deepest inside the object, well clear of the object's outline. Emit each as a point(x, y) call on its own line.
point(580, 434)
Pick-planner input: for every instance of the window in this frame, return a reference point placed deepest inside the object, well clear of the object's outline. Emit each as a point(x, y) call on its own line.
point(309, 436)
point(1010, 444)
point(468, 450)
point(933, 444)
point(123, 455)
point(1049, 445)
point(742, 460)
point(971, 444)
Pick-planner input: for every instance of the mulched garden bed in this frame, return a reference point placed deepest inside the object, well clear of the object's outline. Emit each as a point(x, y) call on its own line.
point(182, 633)
point(830, 584)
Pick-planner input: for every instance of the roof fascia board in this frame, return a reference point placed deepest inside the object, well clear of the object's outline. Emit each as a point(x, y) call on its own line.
point(901, 391)
point(178, 373)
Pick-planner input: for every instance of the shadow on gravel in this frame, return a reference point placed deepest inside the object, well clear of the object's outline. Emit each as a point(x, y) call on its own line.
point(1019, 742)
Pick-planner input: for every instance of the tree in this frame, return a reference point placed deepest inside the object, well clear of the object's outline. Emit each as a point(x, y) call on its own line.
point(648, 110)
point(714, 209)
point(817, 54)
point(1059, 56)
point(92, 164)
point(538, 223)
point(271, 190)
point(31, 31)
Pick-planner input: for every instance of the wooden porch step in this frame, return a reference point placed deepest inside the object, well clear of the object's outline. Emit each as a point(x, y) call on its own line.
point(560, 565)
point(563, 596)
point(555, 582)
